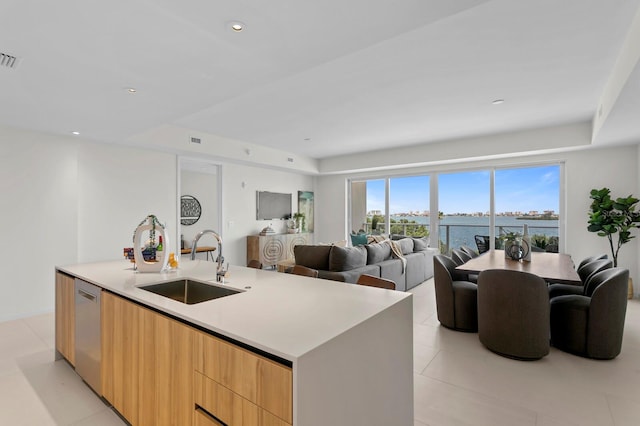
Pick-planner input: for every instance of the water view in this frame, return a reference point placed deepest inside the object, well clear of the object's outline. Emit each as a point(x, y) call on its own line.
point(460, 230)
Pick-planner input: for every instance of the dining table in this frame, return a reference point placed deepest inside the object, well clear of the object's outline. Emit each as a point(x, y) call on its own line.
point(552, 267)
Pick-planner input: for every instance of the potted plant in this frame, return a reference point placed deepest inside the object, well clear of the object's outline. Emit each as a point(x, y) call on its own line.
point(609, 217)
point(299, 218)
point(292, 226)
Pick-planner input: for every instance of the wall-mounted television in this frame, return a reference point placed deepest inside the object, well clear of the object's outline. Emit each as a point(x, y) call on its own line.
point(272, 205)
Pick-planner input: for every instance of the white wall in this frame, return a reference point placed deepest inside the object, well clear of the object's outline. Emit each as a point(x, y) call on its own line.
point(615, 168)
point(117, 188)
point(239, 204)
point(38, 203)
point(65, 200)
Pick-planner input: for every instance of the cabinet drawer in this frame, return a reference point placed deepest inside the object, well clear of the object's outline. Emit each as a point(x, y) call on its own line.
point(261, 381)
point(218, 406)
point(203, 419)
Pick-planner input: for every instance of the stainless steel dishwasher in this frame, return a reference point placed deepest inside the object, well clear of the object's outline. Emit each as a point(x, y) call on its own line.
point(88, 347)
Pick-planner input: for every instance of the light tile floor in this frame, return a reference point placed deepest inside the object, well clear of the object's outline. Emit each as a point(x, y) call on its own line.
point(457, 381)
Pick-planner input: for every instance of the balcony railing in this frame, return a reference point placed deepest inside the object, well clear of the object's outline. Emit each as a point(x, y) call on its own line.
point(453, 236)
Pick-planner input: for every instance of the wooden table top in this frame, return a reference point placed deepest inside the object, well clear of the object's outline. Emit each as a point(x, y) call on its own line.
point(553, 267)
point(198, 249)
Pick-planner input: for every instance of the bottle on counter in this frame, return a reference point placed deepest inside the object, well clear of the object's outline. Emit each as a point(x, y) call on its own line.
point(159, 248)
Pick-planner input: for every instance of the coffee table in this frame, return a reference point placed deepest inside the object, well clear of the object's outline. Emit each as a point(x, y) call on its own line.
point(553, 267)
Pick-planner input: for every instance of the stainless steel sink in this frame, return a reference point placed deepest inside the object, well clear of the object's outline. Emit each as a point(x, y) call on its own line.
point(189, 291)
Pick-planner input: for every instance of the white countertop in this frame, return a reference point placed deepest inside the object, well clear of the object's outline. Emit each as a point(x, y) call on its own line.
point(283, 314)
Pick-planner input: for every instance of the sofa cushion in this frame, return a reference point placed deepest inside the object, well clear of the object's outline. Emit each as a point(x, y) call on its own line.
point(392, 269)
point(406, 244)
point(377, 252)
point(420, 244)
point(312, 256)
point(346, 258)
point(358, 239)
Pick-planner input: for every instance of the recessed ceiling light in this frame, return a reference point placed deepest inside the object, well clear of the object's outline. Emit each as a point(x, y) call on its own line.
point(307, 139)
point(131, 90)
point(498, 101)
point(237, 26)
point(75, 133)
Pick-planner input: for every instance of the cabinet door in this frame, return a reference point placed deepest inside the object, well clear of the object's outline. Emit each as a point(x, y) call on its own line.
point(147, 364)
point(173, 372)
point(65, 317)
point(120, 354)
point(255, 378)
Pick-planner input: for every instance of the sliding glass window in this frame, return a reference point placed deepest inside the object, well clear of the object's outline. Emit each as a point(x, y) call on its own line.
point(462, 206)
point(464, 202)
point(409, 206)
point(531, 196)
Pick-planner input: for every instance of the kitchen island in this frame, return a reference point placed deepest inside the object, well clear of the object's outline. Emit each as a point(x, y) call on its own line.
point(340, 353)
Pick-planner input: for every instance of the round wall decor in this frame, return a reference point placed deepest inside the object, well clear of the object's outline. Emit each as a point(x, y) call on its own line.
point(190, 210)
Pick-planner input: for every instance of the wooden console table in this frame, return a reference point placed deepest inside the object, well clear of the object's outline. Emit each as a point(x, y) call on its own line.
point(271, 249)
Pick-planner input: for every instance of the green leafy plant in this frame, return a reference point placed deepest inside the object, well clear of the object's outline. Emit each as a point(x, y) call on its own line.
point(299, 218)
point(374, 221)
point(540, 240)
point(608, 217)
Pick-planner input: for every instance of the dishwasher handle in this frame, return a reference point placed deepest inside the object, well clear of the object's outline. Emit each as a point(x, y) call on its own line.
point(89, 296)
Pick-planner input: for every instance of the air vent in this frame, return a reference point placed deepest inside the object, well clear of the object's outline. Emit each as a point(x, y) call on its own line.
point(195, 140)
point(8, 61)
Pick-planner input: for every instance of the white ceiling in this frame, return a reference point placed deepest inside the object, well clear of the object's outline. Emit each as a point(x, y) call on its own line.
point(348, 75)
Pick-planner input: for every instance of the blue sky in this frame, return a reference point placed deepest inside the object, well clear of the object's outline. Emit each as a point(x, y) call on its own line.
point(522, 189)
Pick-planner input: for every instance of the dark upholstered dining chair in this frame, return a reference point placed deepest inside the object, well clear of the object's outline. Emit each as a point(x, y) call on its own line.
point(468, 250)
point(482, 242)
point(588, 269)
point(459, 256)
point(593, 326)
point(513, 313)
point(456, 300)
point(591, 259)
point(372, 281)
point(585, 273)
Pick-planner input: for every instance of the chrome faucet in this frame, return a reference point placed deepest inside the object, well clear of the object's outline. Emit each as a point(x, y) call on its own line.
point(220, 271)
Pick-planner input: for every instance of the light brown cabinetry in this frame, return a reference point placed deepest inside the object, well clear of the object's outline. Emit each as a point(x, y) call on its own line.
point(147, 366)
point(65, 316)
point(230, 376)
point(120, 354)
point(271, 249)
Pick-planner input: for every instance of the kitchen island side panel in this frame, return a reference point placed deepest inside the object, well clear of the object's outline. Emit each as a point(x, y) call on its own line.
point(363, 377)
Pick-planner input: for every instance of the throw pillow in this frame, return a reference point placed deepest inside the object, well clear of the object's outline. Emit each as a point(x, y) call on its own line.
point(406, 244)
point(312, 256)
point(378, 252)
point(347, 258)
point(420, 244)
point(358, 239)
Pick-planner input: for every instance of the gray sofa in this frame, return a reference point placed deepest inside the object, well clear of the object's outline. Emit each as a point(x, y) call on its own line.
point(346, 264)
